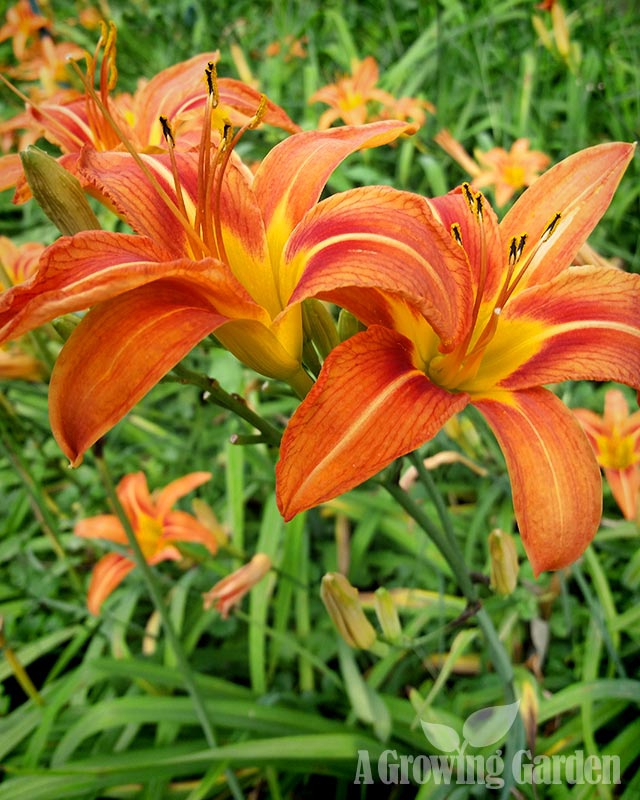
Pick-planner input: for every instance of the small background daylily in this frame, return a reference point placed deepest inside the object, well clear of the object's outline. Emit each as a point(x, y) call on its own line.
point(156, 525)
point(17, 264)
point(505, 172)
point(615, 437)
point(356, 98)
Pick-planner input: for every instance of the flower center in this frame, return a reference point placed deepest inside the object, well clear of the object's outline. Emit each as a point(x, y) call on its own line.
point(458, 369)
point(616, 451)
point(513, 174)
point(148, 532)
point(213, 160)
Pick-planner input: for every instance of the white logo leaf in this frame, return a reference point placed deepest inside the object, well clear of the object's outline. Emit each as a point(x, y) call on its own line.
point(489, 725)
point(441, 736)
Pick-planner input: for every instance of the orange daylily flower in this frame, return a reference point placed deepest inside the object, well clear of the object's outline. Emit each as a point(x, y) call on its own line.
point(504, 171)
point(17, 263)
point(289, 47)
point(179, 93)
point(615, 438)
point(206, 258)
point(156, 526)
point(463, 310)
point(230, 590)
point(350, 97)
point(21, 24)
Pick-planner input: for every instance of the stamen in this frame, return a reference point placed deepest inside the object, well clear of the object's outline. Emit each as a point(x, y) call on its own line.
point(456, 232)
point(170, 204)
point(171, 143)
point(513, 251)
point(551, 226)
point(211, 75)
point(260, 112)
point(469, 195)
point(166, 131)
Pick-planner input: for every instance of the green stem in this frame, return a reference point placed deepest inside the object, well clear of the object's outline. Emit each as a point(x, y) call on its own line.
point(216, 394)
point(158, 601)
point(444, 538)
point(36, 495)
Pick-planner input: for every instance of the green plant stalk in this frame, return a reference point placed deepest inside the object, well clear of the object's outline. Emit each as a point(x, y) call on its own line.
point(444, 539)
point(158, 601)
point(38, 504)
point(454, 558)
point(217, 395)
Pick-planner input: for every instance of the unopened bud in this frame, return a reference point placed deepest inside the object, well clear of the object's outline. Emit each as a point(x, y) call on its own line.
point(343, 604)
point(348, 325)
point(560, 30)
point(529, 706)
point(504, 562)
point(320, 326)
point(57, 192)
point(387, 614)
point(463, 432)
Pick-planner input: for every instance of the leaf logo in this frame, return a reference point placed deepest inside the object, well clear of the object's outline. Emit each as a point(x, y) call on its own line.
point(480, 729)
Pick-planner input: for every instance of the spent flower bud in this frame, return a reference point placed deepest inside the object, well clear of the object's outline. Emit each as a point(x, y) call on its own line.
point(343, 604)
point(504, 562)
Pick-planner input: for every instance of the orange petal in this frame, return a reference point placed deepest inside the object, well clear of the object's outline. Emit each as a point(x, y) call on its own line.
point(380, 237)
point(117, 353)
point(481, 243)
point(171, 92)
point(292, 175)
point(10, 171)
point(580, 188)
point(625, 488)
point(244, 237)
point(80, 271)
point(107, 574)
point(167, 497)
point(178, 526)
point(369, 406)
point(244, 99)
point(589, 328)
point(118, 178)
point(102, 526)
point(555, 480)
point(65, 124)
point(133, 494)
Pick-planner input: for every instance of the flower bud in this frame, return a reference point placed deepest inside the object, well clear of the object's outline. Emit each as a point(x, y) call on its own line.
point(529, 707)
point(343, 604)
point(319, 326)
point(504, 562)
point(463, 432)
point(348, 325)
point(57, 192)
point(387, 614)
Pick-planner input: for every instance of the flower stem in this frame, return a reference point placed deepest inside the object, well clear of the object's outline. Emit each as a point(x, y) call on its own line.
point(37, 499)
point(444, 538)
point(158, 601)
point(234, 403)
